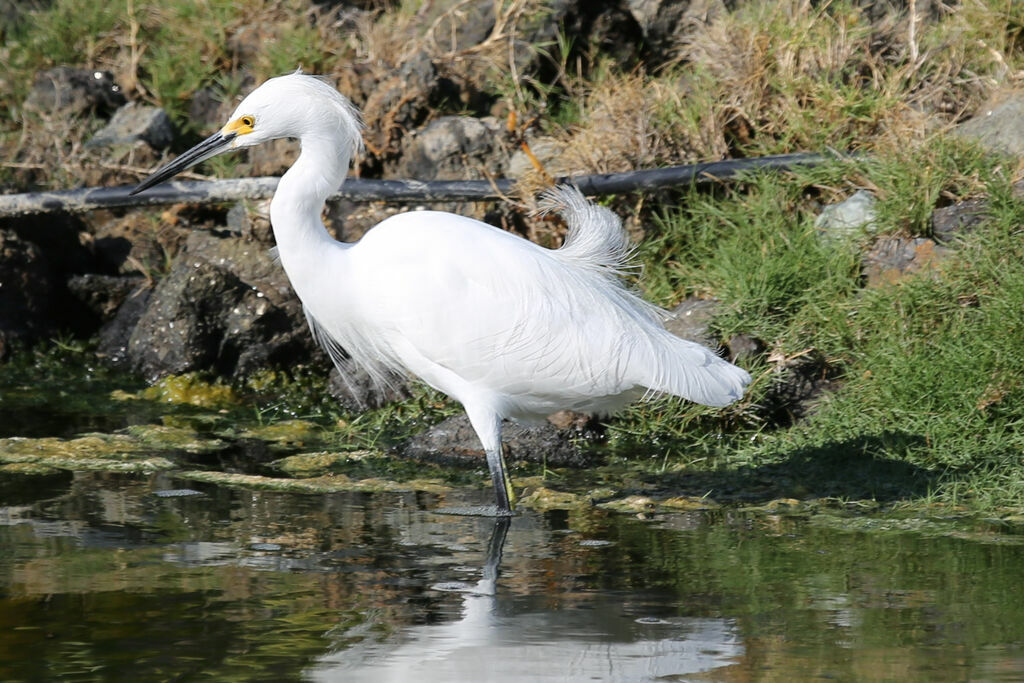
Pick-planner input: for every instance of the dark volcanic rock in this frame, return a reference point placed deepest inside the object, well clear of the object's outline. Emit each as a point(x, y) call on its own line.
point(398, 104)
point(796, 388)
point(37, 254)
point(183, 326)
point(225, 306)
point(607, 24)
point(690, 320)
point(104, 294)
point(115, 334)
point(667, 23)
point(999, 126)
point(26, 289)
point(958, 219)
point(69, 90)
point(454, 442)
point(356, 391)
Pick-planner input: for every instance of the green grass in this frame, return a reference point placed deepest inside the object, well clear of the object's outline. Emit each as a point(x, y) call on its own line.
point(932, 368)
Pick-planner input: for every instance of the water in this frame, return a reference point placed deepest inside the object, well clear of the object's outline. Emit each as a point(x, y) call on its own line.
point(102, 577)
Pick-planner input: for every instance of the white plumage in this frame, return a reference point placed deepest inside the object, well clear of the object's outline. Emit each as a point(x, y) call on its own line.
point(506, 327)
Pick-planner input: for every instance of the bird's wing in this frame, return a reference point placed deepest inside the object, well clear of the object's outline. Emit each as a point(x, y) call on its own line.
point(466, 306)
point(493, 308)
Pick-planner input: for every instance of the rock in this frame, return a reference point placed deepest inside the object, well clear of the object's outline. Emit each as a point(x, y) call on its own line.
point(115, 334)
point(743, 346)
point(958, 219)
point(134, 244)
point(690, 320)
point(453, 148)
point(271, 158)
point(183, 325)
point(63, 239)
point(207, 110)
point(68, 90)
point(134, 123)
point(37, 255)
point(892, 258)
point(999, 126)
point(26, 289)
point(104, 294)
point(797, 385)
point(398, 104)
point(546, 150)
point(665, 24)
point(356, 391)
point(349, 220)
point(225, 306)
point(454, 442)
point(848, 218)
point(607, 25)
point(251, 220)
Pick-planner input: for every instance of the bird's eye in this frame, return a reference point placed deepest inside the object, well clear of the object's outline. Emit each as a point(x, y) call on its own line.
point(248, 121)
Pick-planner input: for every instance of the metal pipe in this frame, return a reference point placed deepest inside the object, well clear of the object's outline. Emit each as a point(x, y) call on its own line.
point(231, 190)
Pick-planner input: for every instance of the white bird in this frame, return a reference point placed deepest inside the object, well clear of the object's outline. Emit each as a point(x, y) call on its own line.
point(506, 327)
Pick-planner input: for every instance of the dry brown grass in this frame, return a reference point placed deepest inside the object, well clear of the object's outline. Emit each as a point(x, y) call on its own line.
point(789, 76)
point(765, 78)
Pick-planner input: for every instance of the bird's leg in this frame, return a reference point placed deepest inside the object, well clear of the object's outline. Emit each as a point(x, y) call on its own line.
point(487, 425)
point(503, 491)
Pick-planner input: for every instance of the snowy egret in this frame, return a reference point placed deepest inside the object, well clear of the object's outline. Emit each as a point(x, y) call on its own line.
point(506, 327)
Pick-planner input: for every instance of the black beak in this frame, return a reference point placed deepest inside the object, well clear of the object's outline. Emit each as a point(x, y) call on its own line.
point(211, 146)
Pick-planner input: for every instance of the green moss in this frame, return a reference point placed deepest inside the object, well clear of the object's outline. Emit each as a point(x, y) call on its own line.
point(28, 469)
point(543, 498)
point(288, 433)
point(93, 452)
point(315, 485)
point(171, 438)
point(315, 464)
point(190, 389)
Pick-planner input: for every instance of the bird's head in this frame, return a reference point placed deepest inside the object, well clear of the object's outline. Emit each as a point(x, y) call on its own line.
point(293, 106)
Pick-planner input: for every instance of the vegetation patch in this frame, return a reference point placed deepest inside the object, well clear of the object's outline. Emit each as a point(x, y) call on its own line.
point(313, 485)
point(919, 387)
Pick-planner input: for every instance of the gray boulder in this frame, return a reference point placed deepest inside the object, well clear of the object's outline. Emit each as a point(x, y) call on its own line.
point(999, 126)
point(453, 148)
point(136, 123)
point(849, 218)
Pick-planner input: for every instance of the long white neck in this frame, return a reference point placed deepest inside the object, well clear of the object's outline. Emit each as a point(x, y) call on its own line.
point(295, 209)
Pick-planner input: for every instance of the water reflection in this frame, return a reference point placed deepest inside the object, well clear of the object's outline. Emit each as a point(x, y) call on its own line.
point(492, 639)
point(101, 578)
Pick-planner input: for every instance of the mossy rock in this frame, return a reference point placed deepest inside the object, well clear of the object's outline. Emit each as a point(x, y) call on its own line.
point(92, 452)
point(287, 433)
point(190, 389)
point(317, 464)
point(334, 483)
point(688, 503)
point(171, 438)
point(28, 469)
point(631, 504)
point(543, 498)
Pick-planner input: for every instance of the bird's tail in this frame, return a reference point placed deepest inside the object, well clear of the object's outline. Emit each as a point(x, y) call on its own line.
point(694, 372)
point(595, 239)
point(596, 243)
